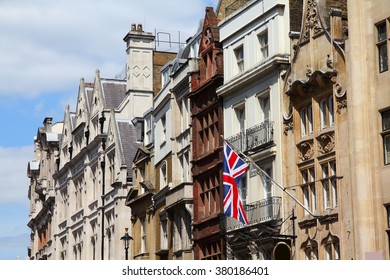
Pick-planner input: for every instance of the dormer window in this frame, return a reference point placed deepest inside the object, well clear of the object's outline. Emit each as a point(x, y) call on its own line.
point(194, 49)
point(165, 76)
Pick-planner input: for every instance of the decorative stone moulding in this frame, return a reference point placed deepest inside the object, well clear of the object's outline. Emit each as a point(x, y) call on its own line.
point(326, 142)
point(288, 120)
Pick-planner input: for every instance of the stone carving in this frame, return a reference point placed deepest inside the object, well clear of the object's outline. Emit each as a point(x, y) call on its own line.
point(305, 150)
point(208, 37)
point(326, 142)
point(312, 21)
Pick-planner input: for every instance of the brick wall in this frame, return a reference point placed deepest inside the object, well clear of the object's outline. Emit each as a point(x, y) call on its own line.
point(159, 60)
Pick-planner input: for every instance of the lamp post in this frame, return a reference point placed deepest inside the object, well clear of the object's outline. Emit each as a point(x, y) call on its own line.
point(126, 240)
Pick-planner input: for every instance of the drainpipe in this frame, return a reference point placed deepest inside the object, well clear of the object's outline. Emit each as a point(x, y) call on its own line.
point(103, 168)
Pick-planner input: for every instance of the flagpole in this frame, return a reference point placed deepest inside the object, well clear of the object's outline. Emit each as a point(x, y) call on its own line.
point(269, 177)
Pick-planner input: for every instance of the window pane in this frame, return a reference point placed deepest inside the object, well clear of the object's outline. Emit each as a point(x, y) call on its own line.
point(383, 64)
point(331, 111)
point(386, 144)
point(386, 120)
point(382, 31)
point(323, 113)
point(303, 122)
point(263, 39)
point(310, 118)
point(239, 52)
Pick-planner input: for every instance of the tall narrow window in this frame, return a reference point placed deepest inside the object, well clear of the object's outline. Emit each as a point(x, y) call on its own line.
point(303, 122)
point(148, 130)
point(306, 115)
point(143, 235)
point(240, 115)
point(323, 112)
point(327, 112)
point(239, 53)
point(382, 46)
point(386, 135)
point(164, 233)
point(163, 175)
point(308, 190)
point(329, 185)
point(265, 108)
point(331, 110)
point(163, 129)
point(263, 41)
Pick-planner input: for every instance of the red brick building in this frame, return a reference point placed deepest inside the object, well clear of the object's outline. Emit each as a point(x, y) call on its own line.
point(207, 125)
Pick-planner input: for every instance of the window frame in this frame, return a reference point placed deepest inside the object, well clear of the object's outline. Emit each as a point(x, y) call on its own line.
point(385, 122)
point(382, 48)
point(329, 185)
point(309, 191)
point(263, 44)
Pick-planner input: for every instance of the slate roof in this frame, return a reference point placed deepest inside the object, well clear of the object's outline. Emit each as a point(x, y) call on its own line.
point(129, 144)
point(114, 92)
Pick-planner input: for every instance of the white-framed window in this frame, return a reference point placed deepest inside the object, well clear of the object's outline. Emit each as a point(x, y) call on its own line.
point(165, 76)
point(239, 111)
point(184, 166)
point(329, 185)
point(265, 107)
point(181, 230)
point(309, 190)
point(239, 54)
point(263, 45)
point(386, 135)
point(163, 137)
point(148, 130)
point(143, 235)
point(327, 112)
point(267, 182)
point(184, 114)
point(163, 175)
point(306, 117)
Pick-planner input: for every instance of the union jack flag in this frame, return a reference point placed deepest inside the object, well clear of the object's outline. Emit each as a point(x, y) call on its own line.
point(233, 169)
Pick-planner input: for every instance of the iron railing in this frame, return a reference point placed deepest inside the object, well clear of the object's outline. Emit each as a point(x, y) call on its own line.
point(253, 137)
point(258, 212)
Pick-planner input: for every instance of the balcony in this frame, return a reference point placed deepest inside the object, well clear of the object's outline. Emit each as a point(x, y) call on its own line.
point(262, 211)
point(253, 137)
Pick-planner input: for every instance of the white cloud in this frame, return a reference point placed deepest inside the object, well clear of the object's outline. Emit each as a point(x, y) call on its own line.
point(50, 45)
point(13, 174)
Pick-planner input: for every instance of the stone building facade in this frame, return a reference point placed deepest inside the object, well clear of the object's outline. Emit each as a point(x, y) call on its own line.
point(256, 55)
point(41, 190)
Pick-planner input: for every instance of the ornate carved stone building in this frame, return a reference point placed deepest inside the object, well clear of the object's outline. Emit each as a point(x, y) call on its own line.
point(41, 190)
point(316, 132)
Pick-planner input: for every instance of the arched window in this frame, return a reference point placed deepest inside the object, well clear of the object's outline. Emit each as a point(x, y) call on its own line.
point(331, 244)
point(310, 248)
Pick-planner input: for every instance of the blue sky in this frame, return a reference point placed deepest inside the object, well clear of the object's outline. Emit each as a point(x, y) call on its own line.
point(46, 47)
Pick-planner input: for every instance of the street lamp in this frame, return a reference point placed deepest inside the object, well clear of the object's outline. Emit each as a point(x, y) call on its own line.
point(126, 240)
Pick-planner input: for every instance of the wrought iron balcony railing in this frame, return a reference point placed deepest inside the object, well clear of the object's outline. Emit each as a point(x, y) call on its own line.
point(262, 211)
point(253, 137)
